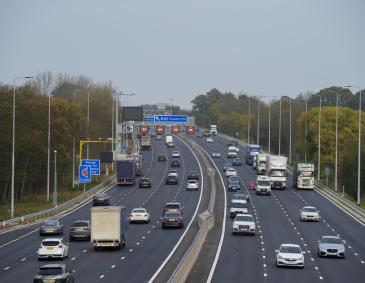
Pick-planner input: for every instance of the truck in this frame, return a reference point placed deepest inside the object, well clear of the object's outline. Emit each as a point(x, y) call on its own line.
point(213, 130)
point(138, 162)
point(276, 170)
point(169, 141)
point(303, 176)
point(145, 142)
point(251, 151)
point(261, 164)
point(126, 171)
point(108, 226)
point(263, 185)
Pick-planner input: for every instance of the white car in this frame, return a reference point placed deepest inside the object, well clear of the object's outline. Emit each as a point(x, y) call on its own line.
point(232, 153)
point(290, 255)
point(309, 213)
point(216, 154)
point(139, 215)
point(245, 224)
point(175, 154)
point(52, 248)
point(209, 139)
point(231, 172)
point(173, 172)
point(192, 185)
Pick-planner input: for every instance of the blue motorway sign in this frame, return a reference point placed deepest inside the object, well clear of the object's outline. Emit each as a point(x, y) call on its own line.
point(171, 118)
point(150, 119)
point(85, 174)
point(94, 164)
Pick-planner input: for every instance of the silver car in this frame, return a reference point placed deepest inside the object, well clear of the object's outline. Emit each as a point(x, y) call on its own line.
point(331, 246)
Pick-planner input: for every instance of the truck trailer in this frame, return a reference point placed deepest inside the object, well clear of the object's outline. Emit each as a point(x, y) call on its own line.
point(251, 151)
point(126, 171)
point(146, 142)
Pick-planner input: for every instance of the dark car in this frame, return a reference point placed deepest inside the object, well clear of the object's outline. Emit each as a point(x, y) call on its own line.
point(172, 219)
point(234, 184)
point(171, 180)
point(101, 199)
point(175, 163)
point(226, 166)
point(206, 134)
point(243, 196)
point(161, 158)
point(199, 136)
point(54, 273)
point(232, 143)
point(236, 162)
point(51, 227)
point(172, 206)
point(193, 175)
point(145, 183)
point(80, 229)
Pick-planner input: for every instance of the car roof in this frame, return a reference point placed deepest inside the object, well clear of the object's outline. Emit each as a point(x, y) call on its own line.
point(144, 178)
point(50, 265)
point(138, 208)
point(309, 207)
point(238, 201)
point(172, 203)
point(51, 239)
point(84, 221)
point(290, 245)
point(330, 237)
point(192, 181)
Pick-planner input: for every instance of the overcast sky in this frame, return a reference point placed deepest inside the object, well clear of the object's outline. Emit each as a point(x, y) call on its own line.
point(162, 49)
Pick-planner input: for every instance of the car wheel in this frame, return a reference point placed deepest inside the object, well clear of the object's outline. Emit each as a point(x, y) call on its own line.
point(319, 255)
point(301, 267)
point(163, 226)
point(233, 233)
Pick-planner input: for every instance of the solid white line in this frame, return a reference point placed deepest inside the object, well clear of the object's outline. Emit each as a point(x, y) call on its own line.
point(154, 276)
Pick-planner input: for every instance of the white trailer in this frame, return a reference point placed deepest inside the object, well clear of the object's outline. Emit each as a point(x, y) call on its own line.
point(276, 170)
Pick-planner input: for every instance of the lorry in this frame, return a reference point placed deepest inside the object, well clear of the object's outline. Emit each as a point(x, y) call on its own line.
point(126, 171)
point(251, 151)
point(169, 141)
point(261, 164)
point(263, 185)
point(303, 177)
point(213, 130)
point(276, 170)
point(237, 206)
point(108, 226)
point(138, 162)
point(145, 142)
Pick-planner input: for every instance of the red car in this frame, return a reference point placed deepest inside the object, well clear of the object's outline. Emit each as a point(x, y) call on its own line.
point(253, 186)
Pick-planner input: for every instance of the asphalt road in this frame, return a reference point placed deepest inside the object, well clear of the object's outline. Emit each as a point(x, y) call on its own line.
point(252, 258)
point(147, 244)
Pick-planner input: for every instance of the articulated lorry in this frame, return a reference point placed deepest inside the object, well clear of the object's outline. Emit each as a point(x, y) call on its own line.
point(251, 151)
point(276, 170)
point(261, 164)
point(303, 176)
point(138, 162)
point(145, 142)
point(126, 171)
point(108, 226)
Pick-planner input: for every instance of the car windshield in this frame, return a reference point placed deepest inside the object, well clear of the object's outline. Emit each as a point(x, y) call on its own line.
point(51, 223)
point(332, 241)
point(241, 217)
point(101, 196)
point(50, 243)
point(80, 224)
point(172, 206)
point(145, 180)
point(172, 171)
point(234, 179)
point(239, 196)
point(309, 209)
point(50, 271)
point(138, 211)
point(231, 170)
point(306, 174)
point(192, 182)
point(172, 214)
point(263, 183)
point(277, 173)
point(290, 250)
point(238, 204)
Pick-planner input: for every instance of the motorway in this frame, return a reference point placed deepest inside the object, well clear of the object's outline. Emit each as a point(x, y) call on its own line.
point(147, 244)
point(252, 259)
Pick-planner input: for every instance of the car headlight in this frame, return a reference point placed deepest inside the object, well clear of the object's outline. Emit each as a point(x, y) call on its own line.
point(341, 249)
point(280, 257)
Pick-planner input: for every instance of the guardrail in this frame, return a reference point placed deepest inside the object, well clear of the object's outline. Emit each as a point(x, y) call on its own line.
point(358, 212)
point(62, 207)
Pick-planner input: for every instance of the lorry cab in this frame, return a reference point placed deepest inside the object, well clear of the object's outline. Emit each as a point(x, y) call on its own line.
point(263, 185)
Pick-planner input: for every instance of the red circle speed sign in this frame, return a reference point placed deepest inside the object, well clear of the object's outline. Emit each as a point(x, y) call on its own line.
point(175, 129)
point(160, 129)
point(143, 129)
point(190, 129)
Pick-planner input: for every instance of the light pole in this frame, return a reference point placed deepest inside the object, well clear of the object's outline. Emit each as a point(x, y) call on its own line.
point(319, 138)
point(55, 179)
point(359, 149)
point(290, 125)
point(249, 120)
point(306, 129)
point(13, 147)
point(258, 119)
point(269, 145)
point(48, 144)
point(280, 127)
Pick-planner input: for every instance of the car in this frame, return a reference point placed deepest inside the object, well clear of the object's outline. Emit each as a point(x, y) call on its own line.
point(309, 213)
point(101, 199)
point(232, 154)
point(206, 134)
point(244, 224)
point(53, 273)
point(193, 175)
point(232, 143)
point(52, 248)
point(331, 246)
point(216, 154)
point(231, 172)
point(173, 172)
point(237, 206)
point(210, 140)
point(161, 158)
point(139, 215)
point(290, 255)
point(244, 196)
point(236, 162)
point(234, 184)
point(172, 219)
point(227, 166)
point(170, 144)
point(51, 227)
point(158, 137)
point(175, 163)
point(175, 154)
point(145, 183)
point(263, 185)
point(252, 186)
point(172, 206)
point(171, 179)
point(199, 136)
point(80, 229)
point(192, 185)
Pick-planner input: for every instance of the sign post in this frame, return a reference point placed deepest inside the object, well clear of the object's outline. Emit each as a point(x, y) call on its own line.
point(94, 165)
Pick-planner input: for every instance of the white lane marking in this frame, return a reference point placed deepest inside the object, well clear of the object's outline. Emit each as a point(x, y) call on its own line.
point(123, 257)
point(101, 276)
point(131, 250)
point(112, 266)
point(23, 259)
point(84, 251)
point(72, 259)
point(6, 268)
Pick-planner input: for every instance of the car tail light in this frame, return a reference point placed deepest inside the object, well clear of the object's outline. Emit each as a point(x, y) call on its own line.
point(145, 215)
point(60, 246)
point(131, 215)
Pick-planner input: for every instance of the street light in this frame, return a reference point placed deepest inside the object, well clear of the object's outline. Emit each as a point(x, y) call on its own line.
point(319, 139)
point(280, 126)
point(269, 145)
point(55, 179)
point(306, 129)
point(290, 125)
point(359, 148)
point(249, 120)
point(13, 147)
point(258, 119)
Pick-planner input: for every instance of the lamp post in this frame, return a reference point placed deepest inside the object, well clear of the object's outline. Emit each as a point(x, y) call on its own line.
point(280, 126)
point(359, 149)
point(269, 145)
point(258, 119)
point(13, 146)
point(306, 129)
point(290, 125)
point(319, 138)
point(55, 179)
point(249, 120)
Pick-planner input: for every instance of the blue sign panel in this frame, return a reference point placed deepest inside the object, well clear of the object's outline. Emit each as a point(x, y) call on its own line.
point(94, 164)
point(85, 174)
point(150, 119)
point(171, 118)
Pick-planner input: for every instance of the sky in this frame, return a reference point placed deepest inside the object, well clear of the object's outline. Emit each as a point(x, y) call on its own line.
point(169, 49)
